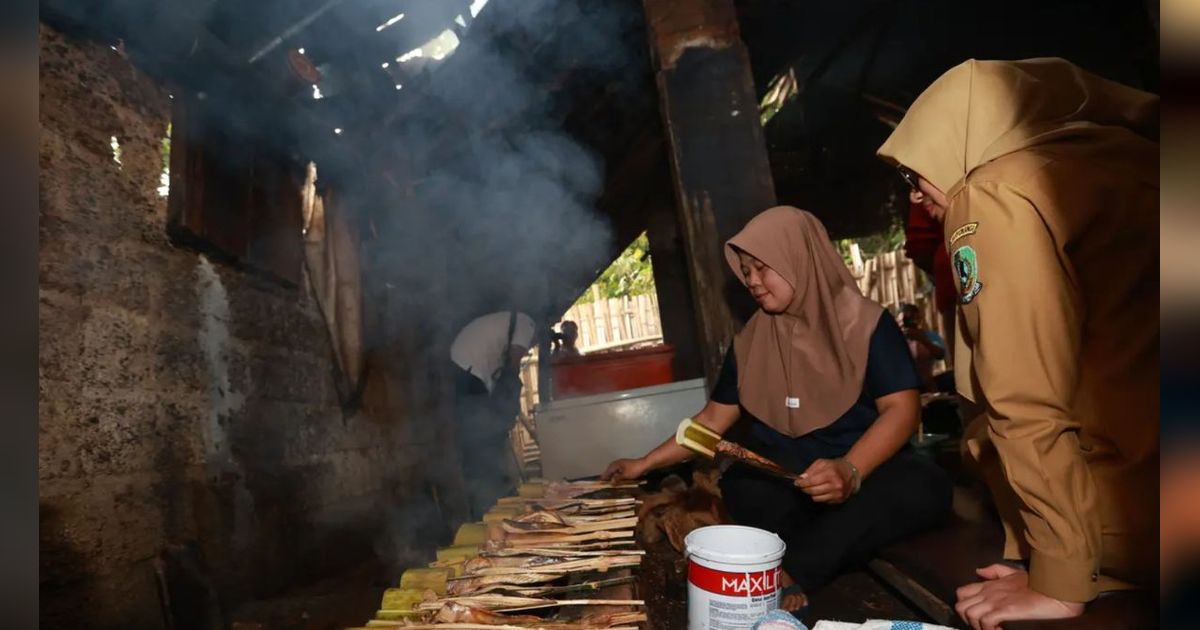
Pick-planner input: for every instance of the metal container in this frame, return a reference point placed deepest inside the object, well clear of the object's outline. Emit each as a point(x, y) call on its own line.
point(580, 436)
point(604, 372)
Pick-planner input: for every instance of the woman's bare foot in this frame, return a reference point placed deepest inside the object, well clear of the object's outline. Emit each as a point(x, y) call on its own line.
point(791, 601)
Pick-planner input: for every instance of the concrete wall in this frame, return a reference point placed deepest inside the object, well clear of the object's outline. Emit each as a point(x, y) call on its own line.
point(183, 400)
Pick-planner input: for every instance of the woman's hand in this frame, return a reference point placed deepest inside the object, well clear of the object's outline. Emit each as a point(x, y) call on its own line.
point(625, 470)
point(827, 481)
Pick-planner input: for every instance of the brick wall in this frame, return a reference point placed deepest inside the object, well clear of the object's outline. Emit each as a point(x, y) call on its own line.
point(183, 400)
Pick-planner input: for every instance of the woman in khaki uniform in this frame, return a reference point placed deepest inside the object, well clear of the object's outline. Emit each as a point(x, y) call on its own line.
point(1046, 180)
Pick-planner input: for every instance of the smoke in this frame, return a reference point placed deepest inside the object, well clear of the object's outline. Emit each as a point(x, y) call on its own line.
point(502, 208)
point(500, 192)
point(513, 192)
point(496, 206)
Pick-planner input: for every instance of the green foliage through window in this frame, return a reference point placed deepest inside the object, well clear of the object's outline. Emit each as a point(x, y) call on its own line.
point(872, 245)
point(629, 275)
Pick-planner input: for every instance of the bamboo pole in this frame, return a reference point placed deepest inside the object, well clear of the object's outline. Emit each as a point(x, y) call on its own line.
point(601, 307)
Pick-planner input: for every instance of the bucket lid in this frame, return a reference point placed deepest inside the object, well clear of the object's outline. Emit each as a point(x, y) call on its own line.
point(734, 544)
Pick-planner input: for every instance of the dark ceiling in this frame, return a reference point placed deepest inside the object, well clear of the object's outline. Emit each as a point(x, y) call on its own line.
point(529, 66)
point(850, 56)
point(822, 142)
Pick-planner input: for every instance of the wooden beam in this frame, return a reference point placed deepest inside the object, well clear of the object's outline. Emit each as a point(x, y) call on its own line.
point(718, 156)
point(671, 282)
point(916, 594)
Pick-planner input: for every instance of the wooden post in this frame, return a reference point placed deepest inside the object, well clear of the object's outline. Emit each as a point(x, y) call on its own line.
point(672, 301)
point(718, 156)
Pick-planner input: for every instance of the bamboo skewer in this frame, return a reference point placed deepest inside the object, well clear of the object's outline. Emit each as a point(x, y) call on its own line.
point(608, 544)
point(590, 503)
point(509, 603)
point(703, 441)
point(516, 527)
point(590, 483)
point(516, 579)
point(481, 565)
point(546, 625)
point(561, 503)
point(485, 602)
point(558, 552)
point(597, 518)
point(554, 603)
point(533, 540)
point(546, 517)
point(573, 566)
point(572, 588)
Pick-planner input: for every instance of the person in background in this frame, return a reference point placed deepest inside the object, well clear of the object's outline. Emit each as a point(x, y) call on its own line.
point(565, 339)
point(837, 408)
point(1046, 179)
point(487, 355)
point(926, 346)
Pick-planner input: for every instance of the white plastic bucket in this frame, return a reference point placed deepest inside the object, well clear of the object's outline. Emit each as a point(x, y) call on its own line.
point(733, 576)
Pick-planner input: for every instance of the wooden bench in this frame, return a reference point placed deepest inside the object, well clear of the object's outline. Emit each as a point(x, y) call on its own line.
point(928, 568)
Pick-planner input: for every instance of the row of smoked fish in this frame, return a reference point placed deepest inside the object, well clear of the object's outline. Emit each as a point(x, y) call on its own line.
point(558, 556)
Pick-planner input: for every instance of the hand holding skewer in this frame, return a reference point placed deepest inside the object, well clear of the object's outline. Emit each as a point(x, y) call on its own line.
point(827, 481)
point(625, 470)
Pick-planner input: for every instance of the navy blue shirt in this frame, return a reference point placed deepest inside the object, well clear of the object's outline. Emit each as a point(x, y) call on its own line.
point(890, 369)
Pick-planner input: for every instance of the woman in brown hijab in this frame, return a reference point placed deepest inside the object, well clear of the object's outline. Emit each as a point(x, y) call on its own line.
point(825, 377)
point(1046, 178)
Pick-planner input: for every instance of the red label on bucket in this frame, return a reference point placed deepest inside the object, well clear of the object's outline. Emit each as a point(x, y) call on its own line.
point(734, 584)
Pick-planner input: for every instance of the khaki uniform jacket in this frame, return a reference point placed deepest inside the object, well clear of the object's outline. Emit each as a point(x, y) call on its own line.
point(1055, 251)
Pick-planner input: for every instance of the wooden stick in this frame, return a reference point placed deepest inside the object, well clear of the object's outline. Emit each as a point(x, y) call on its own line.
point(571, 566)
point(487, 602)
point(538, 540)
point(559, 552)
point(516, 527)
point(509, 603)
point(549, 625)
point(750, 458)
point(550, 518)
point(571, 588)
point(538, 562)
point(521, 578)
point(494, 547)
point(590, 503)
point(554, 603)
point(591, 483)
point(568, 545)
point(596, 518)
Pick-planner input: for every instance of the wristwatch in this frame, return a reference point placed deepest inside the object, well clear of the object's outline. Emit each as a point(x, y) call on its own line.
point(855, 477)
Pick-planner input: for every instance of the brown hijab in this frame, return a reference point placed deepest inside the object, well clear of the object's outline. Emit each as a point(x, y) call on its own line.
point(981, 110)
point(800, 370)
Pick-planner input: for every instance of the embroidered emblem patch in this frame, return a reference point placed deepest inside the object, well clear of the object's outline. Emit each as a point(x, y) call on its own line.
point(965, 229)
point(966, 267)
